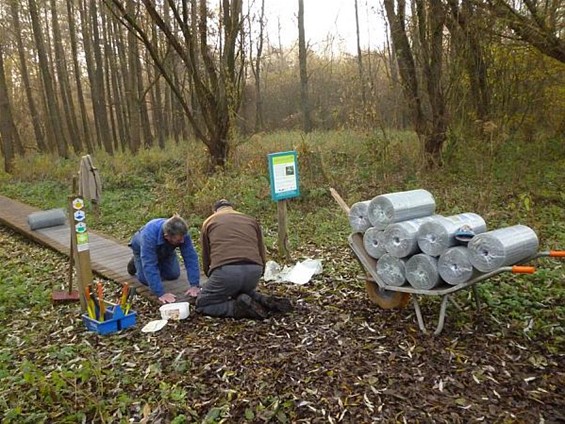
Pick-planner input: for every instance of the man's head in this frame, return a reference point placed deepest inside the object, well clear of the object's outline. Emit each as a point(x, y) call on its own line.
point(174, 229)
point(222, 203)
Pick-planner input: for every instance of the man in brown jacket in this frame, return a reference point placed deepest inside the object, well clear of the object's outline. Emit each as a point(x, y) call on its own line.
point(233, 259)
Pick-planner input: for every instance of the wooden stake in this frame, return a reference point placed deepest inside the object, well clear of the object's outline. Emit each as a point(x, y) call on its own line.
point(80, 252)
point(283, 230)
point(74, 190)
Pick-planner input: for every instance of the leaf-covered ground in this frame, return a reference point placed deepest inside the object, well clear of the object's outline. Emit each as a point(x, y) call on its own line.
point(336, 358)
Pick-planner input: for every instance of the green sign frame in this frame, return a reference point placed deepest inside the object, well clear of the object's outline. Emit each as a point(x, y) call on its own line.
point(283, 174)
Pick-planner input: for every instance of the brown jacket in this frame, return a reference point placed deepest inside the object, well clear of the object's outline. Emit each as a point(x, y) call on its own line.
point(229, 237)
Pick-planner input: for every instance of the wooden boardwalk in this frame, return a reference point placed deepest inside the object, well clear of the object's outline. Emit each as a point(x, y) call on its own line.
point(108, 256)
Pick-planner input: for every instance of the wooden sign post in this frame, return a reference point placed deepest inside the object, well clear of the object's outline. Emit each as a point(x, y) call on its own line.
point(283, 171)
point(283, 229)
point(80, 251)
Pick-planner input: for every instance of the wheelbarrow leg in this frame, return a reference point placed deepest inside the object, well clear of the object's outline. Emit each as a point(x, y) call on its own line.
point(441, 320)
point(442, 310)
point(419, 315)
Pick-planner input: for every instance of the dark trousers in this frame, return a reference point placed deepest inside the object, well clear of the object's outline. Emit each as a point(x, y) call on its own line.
point(218, 294)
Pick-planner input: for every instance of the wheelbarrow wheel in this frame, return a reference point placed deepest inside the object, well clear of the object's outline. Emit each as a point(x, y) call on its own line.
point(386, 299)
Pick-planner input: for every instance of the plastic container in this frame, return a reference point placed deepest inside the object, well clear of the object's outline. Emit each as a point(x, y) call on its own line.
point(175, 311)
point(114, 321)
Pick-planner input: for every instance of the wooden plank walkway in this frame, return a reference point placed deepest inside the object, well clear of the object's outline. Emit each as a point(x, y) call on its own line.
point(108, 256)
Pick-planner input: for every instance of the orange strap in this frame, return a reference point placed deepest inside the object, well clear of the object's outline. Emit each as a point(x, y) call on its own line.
point(520, 269)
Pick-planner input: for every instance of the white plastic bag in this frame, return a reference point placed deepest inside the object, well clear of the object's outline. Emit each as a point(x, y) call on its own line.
point(301, 273)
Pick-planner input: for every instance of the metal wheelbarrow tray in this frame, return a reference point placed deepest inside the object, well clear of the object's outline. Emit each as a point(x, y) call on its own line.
point(370, 265)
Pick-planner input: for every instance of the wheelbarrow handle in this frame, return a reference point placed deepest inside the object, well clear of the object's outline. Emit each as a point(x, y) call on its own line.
point(520, 269)
point(339, 200)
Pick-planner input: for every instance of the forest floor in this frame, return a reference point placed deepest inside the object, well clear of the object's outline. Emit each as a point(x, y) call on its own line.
point(336, 358)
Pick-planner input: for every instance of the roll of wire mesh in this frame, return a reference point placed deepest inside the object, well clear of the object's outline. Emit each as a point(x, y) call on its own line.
point(358, 217)
point(401, 238)
point(46, 219)
point(422, 272)
point(374, 243)
point(454, 265)
point(391, 270)
point(504, 246)
point(438, 234)
point(389, 208)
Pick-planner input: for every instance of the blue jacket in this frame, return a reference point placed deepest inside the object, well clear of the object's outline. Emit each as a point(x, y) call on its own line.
point(150, 244)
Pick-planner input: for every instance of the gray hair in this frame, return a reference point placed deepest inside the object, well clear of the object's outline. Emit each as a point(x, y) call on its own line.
point(175, 225)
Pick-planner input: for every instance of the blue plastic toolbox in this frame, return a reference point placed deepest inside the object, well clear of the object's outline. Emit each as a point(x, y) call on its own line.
point(114, 320)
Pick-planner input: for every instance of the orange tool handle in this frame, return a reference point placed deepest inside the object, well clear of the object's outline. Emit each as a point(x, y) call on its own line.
point(520, 269)
point(557, 253)
point(90, 306)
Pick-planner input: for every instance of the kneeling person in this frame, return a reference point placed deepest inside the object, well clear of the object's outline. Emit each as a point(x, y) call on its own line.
point(155, 258)
point(233, 258)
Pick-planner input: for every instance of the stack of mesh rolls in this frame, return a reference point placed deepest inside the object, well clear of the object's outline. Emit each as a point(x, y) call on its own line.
point(413, 245)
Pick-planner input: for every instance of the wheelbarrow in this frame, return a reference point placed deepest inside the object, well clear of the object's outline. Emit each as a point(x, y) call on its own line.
point(389, 297)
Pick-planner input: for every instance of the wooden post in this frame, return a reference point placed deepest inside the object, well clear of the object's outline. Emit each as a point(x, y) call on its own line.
point(74, 190)
point(283, 230)
point(79, 246)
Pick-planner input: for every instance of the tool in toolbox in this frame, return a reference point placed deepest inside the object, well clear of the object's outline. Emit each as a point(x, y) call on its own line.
point(104, 317)
point(387, 296)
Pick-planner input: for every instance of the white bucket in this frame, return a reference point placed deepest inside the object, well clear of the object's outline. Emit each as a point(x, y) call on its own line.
point(174, 311)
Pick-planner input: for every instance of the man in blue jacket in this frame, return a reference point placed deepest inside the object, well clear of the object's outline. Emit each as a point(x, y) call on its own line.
point(155, 259)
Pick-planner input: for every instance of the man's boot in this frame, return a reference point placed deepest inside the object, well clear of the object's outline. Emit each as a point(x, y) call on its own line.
point(246, 307)
point(131, 267)
point(273, 303)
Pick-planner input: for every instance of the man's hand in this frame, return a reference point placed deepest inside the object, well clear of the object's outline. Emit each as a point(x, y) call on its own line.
point(168, 298)
point(193, 291)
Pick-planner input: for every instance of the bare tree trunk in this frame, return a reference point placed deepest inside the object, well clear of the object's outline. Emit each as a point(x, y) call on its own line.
point(90, 68)
point(78, 81)
point(134, 124)
point(99, 92)
point(142, 103)
point(8, 132)
point(109, 77)
point(55, 131)
point(431, 20)
point(466, 36)
point(405, 59)
point(34, 114)
point(360, 58)
point(430, 121)
point(120, 81)
point(305, 100)
point(256, 68)
point(64, 85)
point(156, 95)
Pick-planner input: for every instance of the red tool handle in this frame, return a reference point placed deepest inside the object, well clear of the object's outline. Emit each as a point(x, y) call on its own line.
point(557, 253)
point(520, 269)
